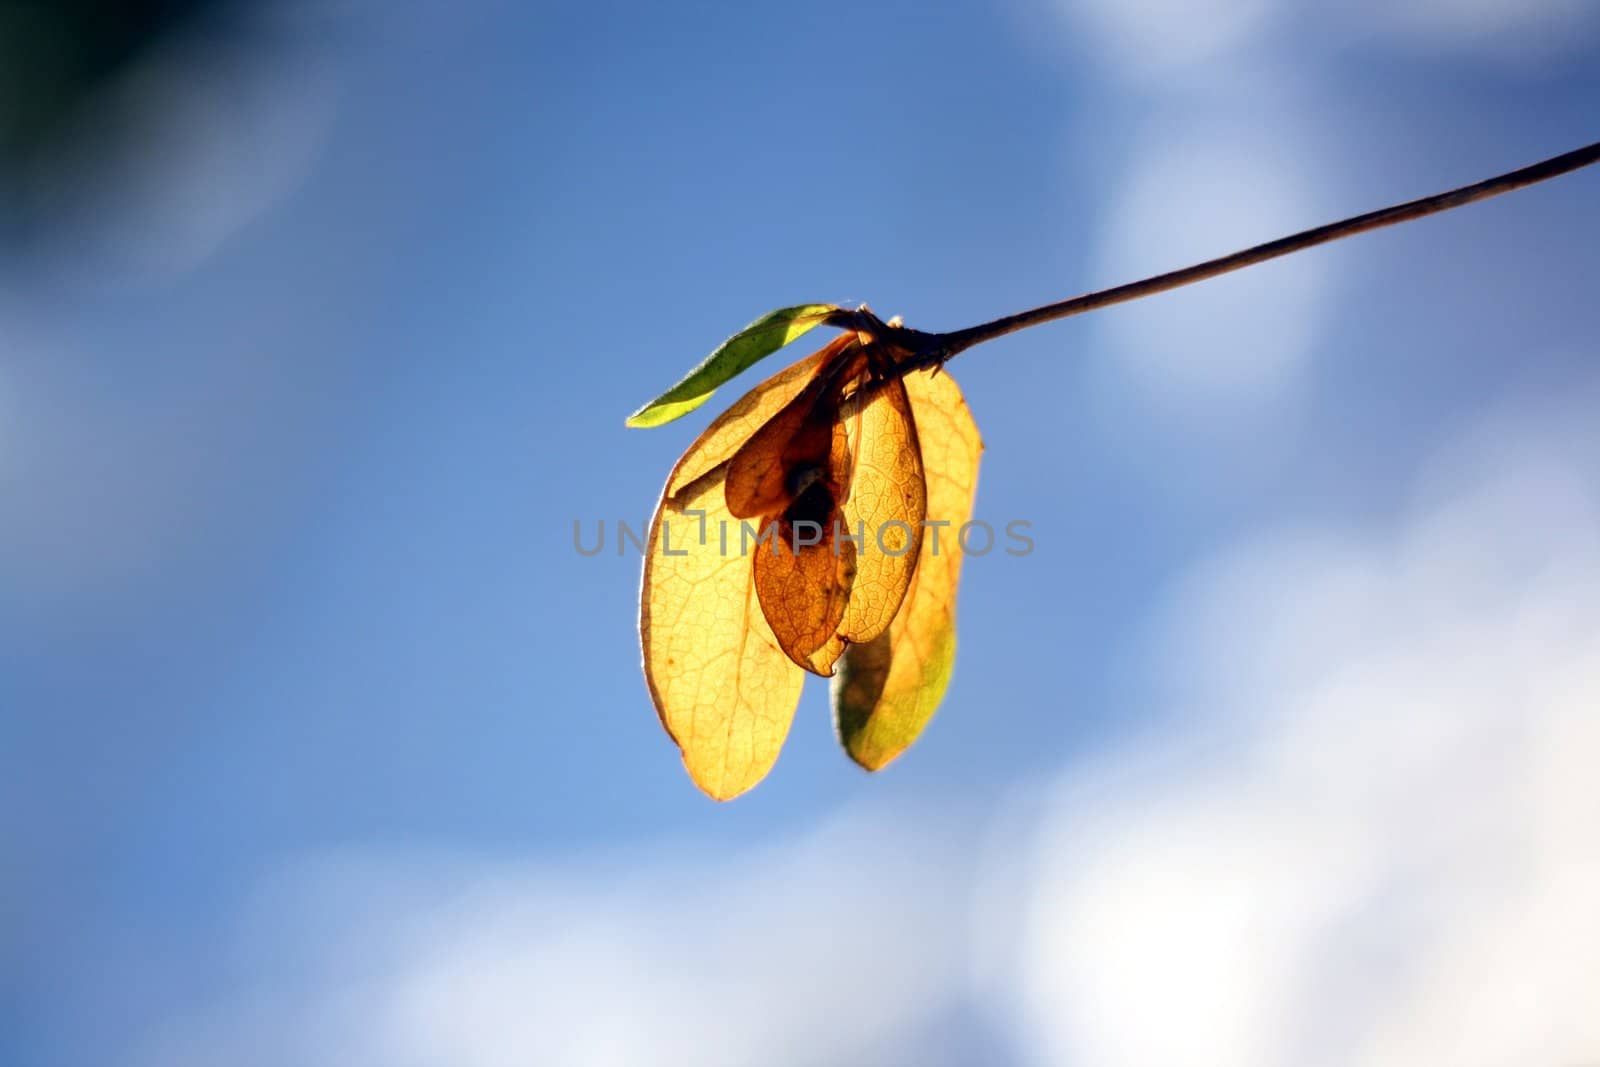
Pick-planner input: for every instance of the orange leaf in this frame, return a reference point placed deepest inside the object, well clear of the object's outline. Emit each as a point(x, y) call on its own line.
point(888, 688)
point(883, 511)
point(729, 432)
point(827, 458)
point(800, 436)
point(885, 506)
point(803, 591)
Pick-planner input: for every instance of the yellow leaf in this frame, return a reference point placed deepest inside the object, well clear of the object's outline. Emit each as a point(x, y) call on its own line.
point(724, 690)
point(888, 688)
point(826, 463)
point(836, 476)
point(884, 511)
point(885, 506)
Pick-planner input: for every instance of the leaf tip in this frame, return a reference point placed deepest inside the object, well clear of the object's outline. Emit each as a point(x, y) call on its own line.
point(761, 338)
point(661, 411)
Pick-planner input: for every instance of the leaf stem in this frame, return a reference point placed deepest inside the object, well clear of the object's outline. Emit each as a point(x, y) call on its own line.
point(937, 348)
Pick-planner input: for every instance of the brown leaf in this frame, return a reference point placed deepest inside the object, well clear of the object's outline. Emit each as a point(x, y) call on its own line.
point(885, 506)
point(800, 437)
point(881, 519)
point(803, 591)
point(729, 432)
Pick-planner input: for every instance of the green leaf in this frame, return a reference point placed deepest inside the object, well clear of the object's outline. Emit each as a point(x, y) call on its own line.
point(755, 342)
point(888, 688)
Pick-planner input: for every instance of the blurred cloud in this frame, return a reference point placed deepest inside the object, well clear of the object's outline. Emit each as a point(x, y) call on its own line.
point(824, 948)
point(1154, 41)
point(1196, 186)
point(1168, 46)
point(1220, 122)
point(1375, 848)
point(1365, 835)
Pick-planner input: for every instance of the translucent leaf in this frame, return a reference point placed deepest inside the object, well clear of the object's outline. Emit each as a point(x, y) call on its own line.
point(755, 342)
point(722, 687)
point(887, 689)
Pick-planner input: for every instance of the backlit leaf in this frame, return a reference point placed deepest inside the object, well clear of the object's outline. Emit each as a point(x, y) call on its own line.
point(800, 435)
point(888, 688)
point(804, 576)
point(884, 510)
point(885, 506)
point(755, 342)
point(724, 690)
point(803, 592)
point(722, 440)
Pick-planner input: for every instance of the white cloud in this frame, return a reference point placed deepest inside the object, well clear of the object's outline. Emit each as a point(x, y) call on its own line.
point(825, 949)
point(1380, 848)
point(1366, 836)
point(1156, 40)
point(1198, 186)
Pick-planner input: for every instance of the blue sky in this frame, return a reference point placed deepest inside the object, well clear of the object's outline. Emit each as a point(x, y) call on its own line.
point(320, 744)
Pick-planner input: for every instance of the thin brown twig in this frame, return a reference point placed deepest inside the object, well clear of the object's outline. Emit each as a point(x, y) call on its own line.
point(932, 349)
